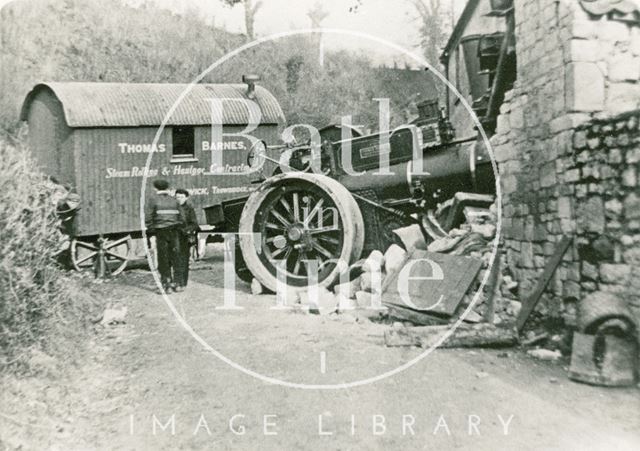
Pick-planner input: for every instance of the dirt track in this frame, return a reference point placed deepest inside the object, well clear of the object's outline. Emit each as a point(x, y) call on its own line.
point(152, 366)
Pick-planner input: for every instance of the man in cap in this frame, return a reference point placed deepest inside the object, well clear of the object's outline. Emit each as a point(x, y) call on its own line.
point(187, 235)
point(164, 220)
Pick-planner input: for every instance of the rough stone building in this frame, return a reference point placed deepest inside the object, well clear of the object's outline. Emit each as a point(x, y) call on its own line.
point(567, 143)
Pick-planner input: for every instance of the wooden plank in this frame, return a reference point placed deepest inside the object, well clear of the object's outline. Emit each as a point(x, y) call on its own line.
point(493, 288)
point(532, 300)
point(466, 335)
point(404, 313)
point(440, 296)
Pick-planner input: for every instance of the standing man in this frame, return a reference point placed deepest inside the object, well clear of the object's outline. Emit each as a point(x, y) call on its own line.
point(187, 235)
point(164, 220)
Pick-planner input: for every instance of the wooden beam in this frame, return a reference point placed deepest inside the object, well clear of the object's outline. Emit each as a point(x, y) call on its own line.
point(465, 336)
point(532, 300)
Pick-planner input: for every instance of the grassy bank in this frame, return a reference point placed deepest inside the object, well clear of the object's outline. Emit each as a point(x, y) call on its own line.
point(41, 306)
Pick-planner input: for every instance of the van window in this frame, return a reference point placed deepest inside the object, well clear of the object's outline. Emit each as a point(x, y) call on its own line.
point(183, 143)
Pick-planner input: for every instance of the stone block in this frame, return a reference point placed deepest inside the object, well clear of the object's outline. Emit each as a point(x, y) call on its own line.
point(623, 140)
point(632, 206)
point(516, 118)
point(615, 156)
point(634, 43)
point(567, 225)
point(526, 255)
point(564, 207)
point(585, 87)
point(629, 177)
point(624, 67)
point(504, 152)
point(593, 143)
point(509, 184)
point(584, 29)
point(584, 50)
point(571, 289)
point(510, 167)
point(590, 215)
point(548, 174)
point(589, 271)
point(613, 207)
point(615, 273)
point(613, 31)
point(580, 139)
point(502, 126)
point(517, 229)
point(622, 97)
point(572, 175)
point(633, 155)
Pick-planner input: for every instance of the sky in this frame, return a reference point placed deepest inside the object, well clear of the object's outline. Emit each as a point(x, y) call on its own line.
point(392, 20)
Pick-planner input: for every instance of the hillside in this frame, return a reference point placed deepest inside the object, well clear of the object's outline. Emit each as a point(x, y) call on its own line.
point(84, 40)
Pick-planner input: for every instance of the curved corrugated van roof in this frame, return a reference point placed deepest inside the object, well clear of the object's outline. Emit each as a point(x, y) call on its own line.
point(87, 104)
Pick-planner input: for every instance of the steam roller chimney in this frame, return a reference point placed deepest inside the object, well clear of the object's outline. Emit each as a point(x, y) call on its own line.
point(251, 80)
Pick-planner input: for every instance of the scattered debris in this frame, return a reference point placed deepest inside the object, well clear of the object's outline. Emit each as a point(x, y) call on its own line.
point(429, 290)
point(532, 300)
point(113, 316)
point(603, 360)
point(605, 348)
point(544, 354)
point(256, 287)
point(465, 335)
point(534, 338)
point(323, 302)
point(453, 209)
point(415, 317)
point(412, 237)
point(394, 258)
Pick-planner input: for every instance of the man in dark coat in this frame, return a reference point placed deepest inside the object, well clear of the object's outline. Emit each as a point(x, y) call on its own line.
point(187, 235)
point(164, 220)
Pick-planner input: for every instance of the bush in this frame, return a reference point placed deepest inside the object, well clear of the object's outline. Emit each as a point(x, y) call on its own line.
point(36, 300)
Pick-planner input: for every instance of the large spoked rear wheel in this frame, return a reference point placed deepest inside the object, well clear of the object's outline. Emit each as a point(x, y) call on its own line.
point(304, 224)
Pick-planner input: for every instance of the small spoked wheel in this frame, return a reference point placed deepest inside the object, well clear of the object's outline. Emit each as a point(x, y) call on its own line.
point(306, 226)
point(85, 253)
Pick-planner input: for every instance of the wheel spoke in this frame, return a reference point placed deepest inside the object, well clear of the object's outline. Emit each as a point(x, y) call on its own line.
point(322, 250)
point(278, 252)
point(329, 239)
point(119, 257)
point(86, 245)
point(296, 207)
point(85, 258)
point(271, 240)
point(113, 244)
point(286, 205)
point(322, 230)
point(287, 255)
point(313, 212)
point(280, 218)
point(271, 225)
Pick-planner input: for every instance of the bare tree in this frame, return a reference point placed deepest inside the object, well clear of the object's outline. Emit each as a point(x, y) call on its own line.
point(251, 8)
point(435, 26)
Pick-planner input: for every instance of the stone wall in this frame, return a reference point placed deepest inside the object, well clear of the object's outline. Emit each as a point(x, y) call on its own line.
point(573, 69)
point(607, 206)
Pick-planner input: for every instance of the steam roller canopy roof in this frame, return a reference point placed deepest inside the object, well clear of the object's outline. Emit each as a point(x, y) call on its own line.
point(92, 105)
